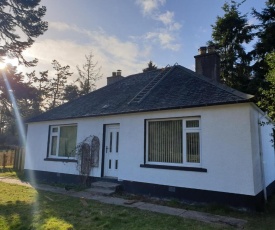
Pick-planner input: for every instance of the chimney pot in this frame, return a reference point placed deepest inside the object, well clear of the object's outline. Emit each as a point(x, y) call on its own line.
point(208, 64)
point(202, 50)
point(211, 49)
point(116, 76)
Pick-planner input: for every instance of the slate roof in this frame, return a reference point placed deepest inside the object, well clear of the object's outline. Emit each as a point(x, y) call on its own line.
point(179, 88)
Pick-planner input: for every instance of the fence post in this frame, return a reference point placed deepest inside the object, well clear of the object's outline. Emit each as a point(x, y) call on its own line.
point(20, 159)
point(9, 156)
point(23, 158)
point(12, 158)
point(1, 158)
point(15, 159)
point(4, 160)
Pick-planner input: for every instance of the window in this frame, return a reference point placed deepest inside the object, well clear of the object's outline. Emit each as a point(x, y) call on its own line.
point(62, 141)
point(173, 142)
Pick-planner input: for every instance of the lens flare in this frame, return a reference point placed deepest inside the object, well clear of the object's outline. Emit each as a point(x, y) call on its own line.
point(20, 126)
point(2, 65)
point(18, 118)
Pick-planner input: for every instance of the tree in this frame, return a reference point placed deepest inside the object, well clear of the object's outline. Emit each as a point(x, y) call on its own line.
point(71, 92)
point(20, 22)
point(21, 90)
point(58, 83)
point(150, 67)
point(266, 42)
point(229, 34)
point(42, 86)
point(88, 75)
point(266, 30)
point(24, 95)
point(267, 100)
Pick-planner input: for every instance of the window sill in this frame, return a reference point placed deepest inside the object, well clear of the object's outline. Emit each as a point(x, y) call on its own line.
point(182, 168)
point(60, 159)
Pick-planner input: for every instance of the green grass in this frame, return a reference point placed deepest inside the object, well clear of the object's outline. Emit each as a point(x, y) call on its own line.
point(11, 173)
point(256, 220)
point(25, 208)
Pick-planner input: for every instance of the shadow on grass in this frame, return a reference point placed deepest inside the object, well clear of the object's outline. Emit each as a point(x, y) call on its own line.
point(9, 172)
point(25, 208)
point(16, 215)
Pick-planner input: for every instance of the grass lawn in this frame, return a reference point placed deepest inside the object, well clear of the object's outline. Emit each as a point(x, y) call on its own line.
point(25, 208)
point(10, 173)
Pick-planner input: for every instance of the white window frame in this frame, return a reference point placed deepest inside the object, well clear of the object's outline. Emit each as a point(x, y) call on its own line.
point(57, 134)
point(185, 130)
point(191, 130)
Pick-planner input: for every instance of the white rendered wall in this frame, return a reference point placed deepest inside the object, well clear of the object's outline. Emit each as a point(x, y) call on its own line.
point(226, 148)
point(255, 146)
point(226, 151)
point(268, 154)
point(36, 149)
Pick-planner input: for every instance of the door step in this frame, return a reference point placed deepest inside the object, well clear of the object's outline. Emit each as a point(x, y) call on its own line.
point(103, 188)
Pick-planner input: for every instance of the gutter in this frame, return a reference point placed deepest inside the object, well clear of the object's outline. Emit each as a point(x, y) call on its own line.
point(261, 156)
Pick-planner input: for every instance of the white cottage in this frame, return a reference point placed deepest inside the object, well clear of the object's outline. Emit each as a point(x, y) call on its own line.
point(169, 132)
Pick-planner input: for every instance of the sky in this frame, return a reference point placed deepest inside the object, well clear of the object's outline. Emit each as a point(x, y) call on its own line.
point(126, 34)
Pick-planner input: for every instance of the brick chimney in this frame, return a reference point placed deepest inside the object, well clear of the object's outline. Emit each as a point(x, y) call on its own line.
point(116, 76)
point(208, 63)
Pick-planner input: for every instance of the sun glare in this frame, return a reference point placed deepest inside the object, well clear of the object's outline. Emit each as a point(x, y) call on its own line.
point(2, 65)
point(7, 61)
point(11, 61)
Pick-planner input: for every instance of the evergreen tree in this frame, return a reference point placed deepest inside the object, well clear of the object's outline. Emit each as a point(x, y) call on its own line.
point(71, 92)
point(229, 34)
point(150, 67)
point(58, 83)
point(267, 99)
point(42, 92)
point(24, 94)
point(20, 22)
point(265, 44)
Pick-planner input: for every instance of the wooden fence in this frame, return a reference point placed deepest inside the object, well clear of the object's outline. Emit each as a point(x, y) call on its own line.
point(13, 158)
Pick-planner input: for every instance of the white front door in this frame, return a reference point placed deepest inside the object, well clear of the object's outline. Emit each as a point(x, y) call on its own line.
point(111, 150)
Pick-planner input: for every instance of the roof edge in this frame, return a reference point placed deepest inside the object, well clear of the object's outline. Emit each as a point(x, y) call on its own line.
point(149, 110)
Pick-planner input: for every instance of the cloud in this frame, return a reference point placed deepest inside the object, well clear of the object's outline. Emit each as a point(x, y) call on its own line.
point(110, 52)
point(165, 35)
point(164, 38)
point(168, 20)
point(175, 26)
point(59, 26)
point(149, 6)
point(103, 42)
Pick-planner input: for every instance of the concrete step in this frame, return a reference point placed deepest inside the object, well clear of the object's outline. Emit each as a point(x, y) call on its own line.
point(101, 191)
point(103, 188)
point(105, 184)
